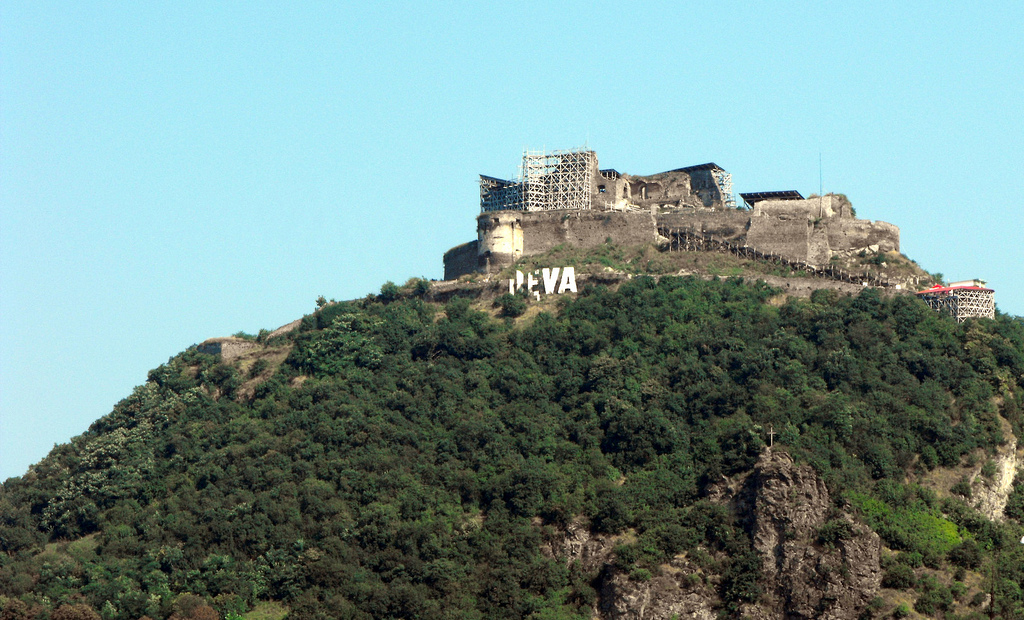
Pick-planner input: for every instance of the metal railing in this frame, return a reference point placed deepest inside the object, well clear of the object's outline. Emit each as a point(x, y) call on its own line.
point(681, 240)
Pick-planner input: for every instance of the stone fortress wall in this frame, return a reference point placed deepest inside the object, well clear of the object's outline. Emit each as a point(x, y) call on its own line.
point(630, 209)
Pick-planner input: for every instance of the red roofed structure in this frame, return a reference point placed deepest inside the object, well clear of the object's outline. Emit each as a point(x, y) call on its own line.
point(961, 300)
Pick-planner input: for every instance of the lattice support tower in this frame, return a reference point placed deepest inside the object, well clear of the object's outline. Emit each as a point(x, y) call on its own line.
point(962, 303)
point(724, 180)
point(556, 180)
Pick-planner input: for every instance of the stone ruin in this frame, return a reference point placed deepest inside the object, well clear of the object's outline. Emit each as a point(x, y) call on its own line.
point(564, 197)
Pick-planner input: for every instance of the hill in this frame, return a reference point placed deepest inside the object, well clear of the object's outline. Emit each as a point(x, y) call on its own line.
point(604, 454)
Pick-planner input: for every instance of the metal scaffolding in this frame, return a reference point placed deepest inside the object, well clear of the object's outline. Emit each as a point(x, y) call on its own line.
point(724, 180)
point(499, 194)
point(961, 302)
point(555, 180)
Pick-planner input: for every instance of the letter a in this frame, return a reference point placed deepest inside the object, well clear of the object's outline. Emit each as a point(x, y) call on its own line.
point(550, 277)
point(568, 280)
point(519, 280)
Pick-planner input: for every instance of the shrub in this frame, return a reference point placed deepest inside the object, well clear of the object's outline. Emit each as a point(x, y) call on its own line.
point(932, 559)
point(389, 292)
point(824, 296)
point(258, 367)
point(835, 530)
point(511, 305)
point(988, 470)
point(962, 487)
point(929, 457)
point(739, 582)
point(899, 577)
point(421, 287)
point(613, 514)
point(912, 559)
point(934, 596)
point(1015, 502)
point(966, 554)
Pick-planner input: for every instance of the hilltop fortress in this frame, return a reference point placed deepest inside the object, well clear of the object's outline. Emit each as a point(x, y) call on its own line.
point(563, 197)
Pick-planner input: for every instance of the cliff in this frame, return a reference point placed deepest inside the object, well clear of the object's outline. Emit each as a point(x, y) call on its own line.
point(815, 562)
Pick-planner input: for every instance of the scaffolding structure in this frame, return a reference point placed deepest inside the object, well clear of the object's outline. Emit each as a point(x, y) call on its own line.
point(961, 302)
point(554, 180)
point(499, 194)
point(724, 181)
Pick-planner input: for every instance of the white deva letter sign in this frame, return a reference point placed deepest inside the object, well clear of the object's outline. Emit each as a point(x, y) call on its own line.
point(548, 277)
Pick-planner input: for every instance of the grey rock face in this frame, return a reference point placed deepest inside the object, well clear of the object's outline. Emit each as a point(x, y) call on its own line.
point(785, 507)
point(678, 591)
point(802, 577)
point(989, 497)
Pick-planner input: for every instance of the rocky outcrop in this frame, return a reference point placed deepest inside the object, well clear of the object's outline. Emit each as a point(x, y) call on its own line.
point(989, 495)
point(816, 563)
point(576, 543)
point(679, 590)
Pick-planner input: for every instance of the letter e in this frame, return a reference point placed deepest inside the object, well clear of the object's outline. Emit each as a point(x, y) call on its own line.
point(531, 281)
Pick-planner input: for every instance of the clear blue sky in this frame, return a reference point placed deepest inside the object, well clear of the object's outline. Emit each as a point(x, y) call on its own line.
point(171, 172)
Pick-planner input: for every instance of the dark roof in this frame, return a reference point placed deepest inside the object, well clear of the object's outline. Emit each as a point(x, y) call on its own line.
point(708, 166)
point(751, 197)
point(610, 173)
point(496, 180)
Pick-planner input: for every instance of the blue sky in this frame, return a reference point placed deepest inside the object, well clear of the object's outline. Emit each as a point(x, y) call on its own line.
point(171, 172)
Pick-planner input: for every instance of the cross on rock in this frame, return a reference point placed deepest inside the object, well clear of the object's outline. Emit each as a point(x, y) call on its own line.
point(771, 435)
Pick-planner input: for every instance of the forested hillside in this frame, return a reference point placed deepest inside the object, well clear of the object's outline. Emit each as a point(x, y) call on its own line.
point(413, 460)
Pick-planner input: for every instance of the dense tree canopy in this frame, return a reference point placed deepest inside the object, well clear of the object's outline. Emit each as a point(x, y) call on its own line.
point(408, 459)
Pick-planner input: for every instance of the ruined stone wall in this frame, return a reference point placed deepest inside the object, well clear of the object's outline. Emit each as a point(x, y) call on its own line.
point(705, 187)
point(819, 252)
point(791, 228)
point(728, 225)
point(850, 234)
point(609, 193)
point(506, 236)
point(461, 259)
point(665, 188)
point(543, 231)
point(810, 208)
point(228, 348)
point(790, 238)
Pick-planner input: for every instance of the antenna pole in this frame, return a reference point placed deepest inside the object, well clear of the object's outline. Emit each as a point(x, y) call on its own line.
point(820, 187)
